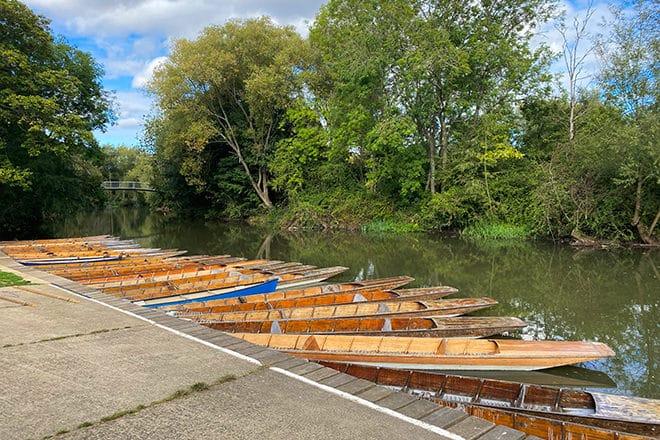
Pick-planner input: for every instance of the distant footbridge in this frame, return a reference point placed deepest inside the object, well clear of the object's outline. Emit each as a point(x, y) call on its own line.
point(116, 185)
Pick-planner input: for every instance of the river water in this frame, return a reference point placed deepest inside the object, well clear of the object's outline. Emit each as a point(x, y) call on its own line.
point(611, 296)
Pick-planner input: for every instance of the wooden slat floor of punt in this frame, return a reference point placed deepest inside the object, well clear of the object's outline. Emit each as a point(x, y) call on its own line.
point(455, 422)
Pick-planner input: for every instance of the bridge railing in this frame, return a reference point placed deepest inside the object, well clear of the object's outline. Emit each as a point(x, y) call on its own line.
point(113, 185)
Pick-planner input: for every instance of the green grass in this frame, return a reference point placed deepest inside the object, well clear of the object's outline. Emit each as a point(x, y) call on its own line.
point(9, 279)
point(496, 231)
point(389, 226)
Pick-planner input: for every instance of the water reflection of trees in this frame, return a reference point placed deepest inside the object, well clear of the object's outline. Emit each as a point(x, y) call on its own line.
point(605, 295)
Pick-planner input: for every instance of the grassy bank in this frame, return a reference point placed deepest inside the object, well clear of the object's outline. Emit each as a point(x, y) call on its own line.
point(9, 279)
point(496, 231)
point(371, 214)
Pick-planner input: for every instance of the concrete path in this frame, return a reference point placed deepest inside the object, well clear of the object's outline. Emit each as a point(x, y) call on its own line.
point(98, 367)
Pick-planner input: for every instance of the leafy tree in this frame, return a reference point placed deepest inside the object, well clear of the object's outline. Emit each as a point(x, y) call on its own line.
point(51, 100)
point(630, 79)
point(298, 159)
point(360, 43)
point(442, 65)
point(225, 95)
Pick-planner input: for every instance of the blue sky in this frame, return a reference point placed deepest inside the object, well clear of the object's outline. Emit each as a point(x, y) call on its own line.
point(129, 37)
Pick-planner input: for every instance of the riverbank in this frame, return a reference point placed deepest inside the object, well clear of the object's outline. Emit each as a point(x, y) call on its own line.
point(86, 365)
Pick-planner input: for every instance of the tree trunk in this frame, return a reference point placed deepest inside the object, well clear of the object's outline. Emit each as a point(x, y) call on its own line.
point(655, 223)
point(571, 117)
point(431, 142)
point(262, 188)
point(645, 234)
point(444, 144)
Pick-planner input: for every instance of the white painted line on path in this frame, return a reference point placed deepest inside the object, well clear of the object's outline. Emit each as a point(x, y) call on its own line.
point(171, 330)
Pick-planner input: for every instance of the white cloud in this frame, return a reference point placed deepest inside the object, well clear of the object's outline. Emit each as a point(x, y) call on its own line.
point(131, 107)
point(141, 79)
point(133, 103)
point(175, 18)
point(146, 46)
point(129, 123)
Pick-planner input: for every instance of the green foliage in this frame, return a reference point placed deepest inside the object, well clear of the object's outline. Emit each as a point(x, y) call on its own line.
point(51, 101)
point(410, 80)
point(224, 95)
point(630, 56)
point(447, 210)
point(394, 164)
point(390, 226)
point(496, 231)
point(590, 186)
point(298, 160)
point(340, 209)
point(422, 113)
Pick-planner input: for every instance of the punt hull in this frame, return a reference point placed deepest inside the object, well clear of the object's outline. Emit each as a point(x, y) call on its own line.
point(255, 289)
point(434, 353)
point(460, 327)
point(366, 309)
point(70, 260)
point(552, 407)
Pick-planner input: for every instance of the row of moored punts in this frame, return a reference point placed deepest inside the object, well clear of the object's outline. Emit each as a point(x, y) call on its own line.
point(412, 339)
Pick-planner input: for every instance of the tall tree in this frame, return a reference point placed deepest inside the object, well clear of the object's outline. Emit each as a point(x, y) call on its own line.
point(227, 92)
point(439, 63)
point(631, 64)
point(51, 100)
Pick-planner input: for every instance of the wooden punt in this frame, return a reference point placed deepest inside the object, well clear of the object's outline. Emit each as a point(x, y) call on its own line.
point(71, 249)
point(362, 287)
point(160, 255)
point(70, 260)
point(128, 269)
point(57, 251)
point(290, 280)
point(211, 260)
point(434, 353)
point(204, 289)
point(367, 309)
point(267, 266)
point(136, 269)
point(455, 327)
point(110, 277)
point(85, 251)
point(241, 290)
point(180, 279)
point(561, 410)
point(218, 281)
point(567, 375)
point(46, 242)
point(323, 299)
point(289, 276)
point(72, 254)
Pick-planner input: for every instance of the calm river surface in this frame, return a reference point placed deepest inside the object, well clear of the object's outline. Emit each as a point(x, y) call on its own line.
point(611, 296)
